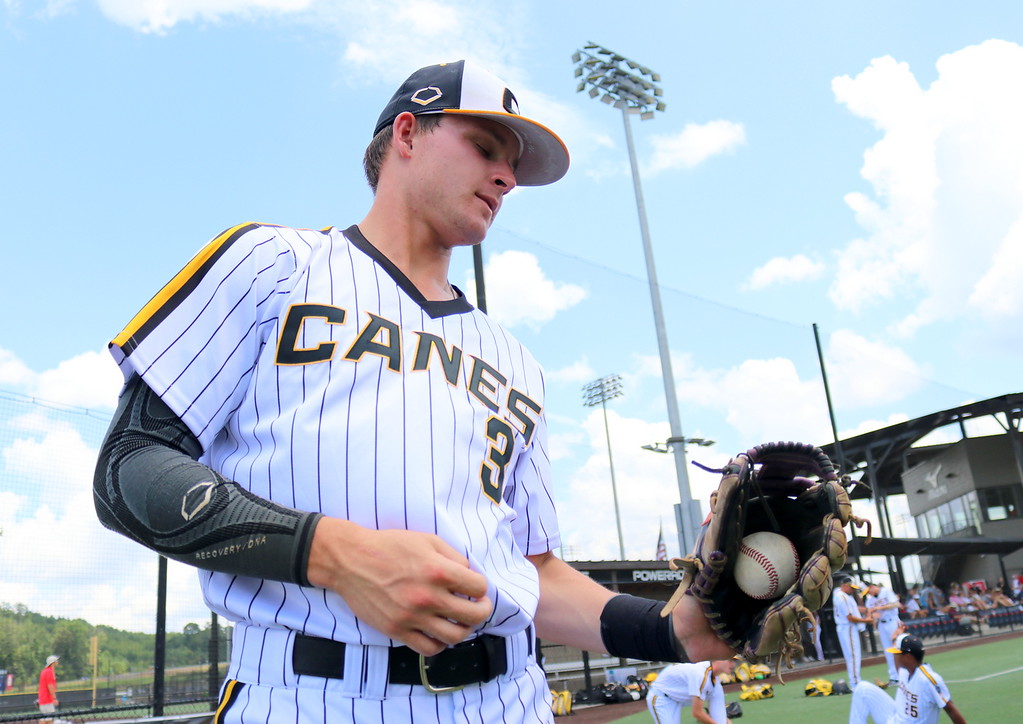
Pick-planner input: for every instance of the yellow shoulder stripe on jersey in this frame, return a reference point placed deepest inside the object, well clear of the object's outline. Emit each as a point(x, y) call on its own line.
point(932, 680)
point(706, 676)
point(177, 288)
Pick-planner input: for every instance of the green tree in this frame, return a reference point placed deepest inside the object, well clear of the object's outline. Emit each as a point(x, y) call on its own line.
point(71, 643)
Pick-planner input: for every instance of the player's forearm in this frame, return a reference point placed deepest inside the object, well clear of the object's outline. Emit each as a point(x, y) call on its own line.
point(954, 714)
point(570, 605)
point(699, 713)
point(149, 486)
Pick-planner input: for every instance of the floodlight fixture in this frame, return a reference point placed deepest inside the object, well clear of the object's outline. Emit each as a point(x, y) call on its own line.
point(631, 86)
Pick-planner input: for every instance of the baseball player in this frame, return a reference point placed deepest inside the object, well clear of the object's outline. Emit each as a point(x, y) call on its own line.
point(681, 685)
point(356, 458)
point(921, 692)
point(848, 621)
point(883, 605)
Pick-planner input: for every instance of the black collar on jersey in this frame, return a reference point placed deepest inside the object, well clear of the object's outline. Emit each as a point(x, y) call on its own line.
point(459, 305)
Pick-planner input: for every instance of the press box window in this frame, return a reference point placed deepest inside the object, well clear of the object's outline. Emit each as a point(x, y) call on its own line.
point(1000, 503)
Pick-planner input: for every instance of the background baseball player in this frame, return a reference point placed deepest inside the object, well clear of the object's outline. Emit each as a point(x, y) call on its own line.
point(682, 685)
point(883, 606)
point(920, 695)
point(848, 619)
point(356, 458)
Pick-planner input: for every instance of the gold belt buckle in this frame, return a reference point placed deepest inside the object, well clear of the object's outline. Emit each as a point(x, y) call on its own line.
point(423, 669)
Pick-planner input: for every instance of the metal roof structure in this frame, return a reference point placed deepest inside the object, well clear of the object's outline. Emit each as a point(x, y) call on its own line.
point(884, 454)
point(900, 547)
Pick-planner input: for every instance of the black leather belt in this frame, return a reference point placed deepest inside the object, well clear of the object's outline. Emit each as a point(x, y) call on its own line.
point(470, 662)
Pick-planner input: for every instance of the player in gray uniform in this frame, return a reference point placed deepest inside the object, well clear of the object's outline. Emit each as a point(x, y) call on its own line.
point(920, 696)
point(883, 606)
point(356, 458)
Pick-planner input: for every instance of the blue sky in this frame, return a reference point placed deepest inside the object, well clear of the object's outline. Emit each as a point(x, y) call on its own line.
point(854, 165)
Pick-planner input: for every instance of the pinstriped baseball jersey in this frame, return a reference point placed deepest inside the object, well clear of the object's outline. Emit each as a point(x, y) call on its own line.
point(675, 687)
point(918, 700)
point(315, 375)
point(920, 697)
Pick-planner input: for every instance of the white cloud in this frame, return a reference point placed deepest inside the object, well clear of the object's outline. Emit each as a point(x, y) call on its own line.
point(863, 372)
point(645, 483)
point(518, 292)
point(761, 400)
point(784, 271)
point(579, 372)
point(89, 380)
point(158, 16)
point(693, 145)
point(15, 375)
point(945, 220)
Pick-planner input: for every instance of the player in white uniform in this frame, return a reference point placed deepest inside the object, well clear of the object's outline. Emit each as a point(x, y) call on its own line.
point(883, 606)
point(848, 620)
point(356, 458)
point(683, 685)
point(920, 696)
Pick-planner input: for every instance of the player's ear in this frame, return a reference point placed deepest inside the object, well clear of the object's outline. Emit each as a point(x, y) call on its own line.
point(403, 132)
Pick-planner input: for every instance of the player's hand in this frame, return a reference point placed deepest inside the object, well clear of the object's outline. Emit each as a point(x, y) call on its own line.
point(410, 586)
point(693, 631)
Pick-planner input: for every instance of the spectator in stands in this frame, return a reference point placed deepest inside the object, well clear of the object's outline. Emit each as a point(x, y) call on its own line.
point(931, 598)
point(958, 601)
point(1017, 589)
point(1000, 600)
point(912, 606)
point(978, 600)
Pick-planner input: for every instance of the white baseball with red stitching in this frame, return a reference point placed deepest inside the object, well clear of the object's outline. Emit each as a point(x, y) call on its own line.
point(766, 565)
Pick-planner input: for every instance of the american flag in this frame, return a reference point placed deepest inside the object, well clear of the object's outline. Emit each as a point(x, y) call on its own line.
point(662, 550)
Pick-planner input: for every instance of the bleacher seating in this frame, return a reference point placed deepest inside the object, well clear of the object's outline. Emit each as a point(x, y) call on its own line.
point(1009, 616)
point(945, 626)
point(932, 626)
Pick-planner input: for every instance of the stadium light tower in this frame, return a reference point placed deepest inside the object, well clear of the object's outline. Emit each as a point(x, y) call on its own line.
point(632, 88)
point(599, 392)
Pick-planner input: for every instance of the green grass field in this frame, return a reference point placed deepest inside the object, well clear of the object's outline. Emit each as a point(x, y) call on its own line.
point(984, 680)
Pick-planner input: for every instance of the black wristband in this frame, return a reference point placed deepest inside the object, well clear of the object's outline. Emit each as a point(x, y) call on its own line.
point(632, 627)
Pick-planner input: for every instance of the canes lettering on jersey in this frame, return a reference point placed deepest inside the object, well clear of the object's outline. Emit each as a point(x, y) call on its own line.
point(303, 342)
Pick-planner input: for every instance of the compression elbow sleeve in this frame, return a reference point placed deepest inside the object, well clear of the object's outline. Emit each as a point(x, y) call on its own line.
point(150, 487)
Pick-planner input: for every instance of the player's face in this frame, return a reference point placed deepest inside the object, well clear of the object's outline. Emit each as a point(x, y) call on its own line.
point(464, 168)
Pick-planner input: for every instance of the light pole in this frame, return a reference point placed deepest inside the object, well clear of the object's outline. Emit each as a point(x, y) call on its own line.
point(668, 446)
point(633, 89)
point(599, 392)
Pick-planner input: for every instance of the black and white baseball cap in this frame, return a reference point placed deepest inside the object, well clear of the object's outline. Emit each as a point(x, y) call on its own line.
point(462, 87)
point(907, 644)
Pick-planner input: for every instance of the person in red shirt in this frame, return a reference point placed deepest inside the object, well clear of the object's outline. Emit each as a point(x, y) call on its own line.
point(48, 689)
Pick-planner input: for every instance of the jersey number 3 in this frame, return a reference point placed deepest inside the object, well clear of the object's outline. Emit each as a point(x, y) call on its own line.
point(499, 455)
